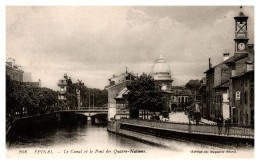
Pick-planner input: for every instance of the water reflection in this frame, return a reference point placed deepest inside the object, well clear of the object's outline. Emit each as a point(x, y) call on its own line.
point(88, 136)
point(80, 135)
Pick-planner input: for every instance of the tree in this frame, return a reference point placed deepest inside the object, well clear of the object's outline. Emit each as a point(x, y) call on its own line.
point(193, 85)
point(100, 96)
point(144, 94)
point(33, 99)
point(10, 96)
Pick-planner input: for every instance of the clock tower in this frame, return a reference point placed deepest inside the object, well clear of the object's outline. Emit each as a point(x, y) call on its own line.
point(241, 36)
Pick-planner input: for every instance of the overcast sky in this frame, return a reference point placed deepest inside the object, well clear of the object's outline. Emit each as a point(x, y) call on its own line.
point(93, 43)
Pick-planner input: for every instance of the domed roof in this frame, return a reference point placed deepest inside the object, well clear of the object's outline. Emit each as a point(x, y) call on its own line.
point(161, 66)
point(161, 70)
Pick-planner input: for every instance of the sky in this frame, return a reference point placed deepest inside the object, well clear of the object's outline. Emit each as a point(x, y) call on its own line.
point(93, 43)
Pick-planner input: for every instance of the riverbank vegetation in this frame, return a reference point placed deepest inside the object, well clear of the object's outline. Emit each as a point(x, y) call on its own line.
point(22, 99)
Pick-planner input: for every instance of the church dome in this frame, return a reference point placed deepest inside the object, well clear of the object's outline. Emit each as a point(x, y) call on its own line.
point(161, 70)
point(161, 66)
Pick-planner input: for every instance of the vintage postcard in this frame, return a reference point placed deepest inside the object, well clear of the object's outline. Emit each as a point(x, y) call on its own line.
point(130, 81)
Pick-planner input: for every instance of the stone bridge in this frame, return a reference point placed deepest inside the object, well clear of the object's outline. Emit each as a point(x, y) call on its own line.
point(95, 114)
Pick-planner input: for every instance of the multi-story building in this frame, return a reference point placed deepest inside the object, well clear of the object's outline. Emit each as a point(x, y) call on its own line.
point(180, 98)
point(67, 93)
point(116, 89)
point(13, 70)
point(230, 83)
point(242, 76)
point(217, 85)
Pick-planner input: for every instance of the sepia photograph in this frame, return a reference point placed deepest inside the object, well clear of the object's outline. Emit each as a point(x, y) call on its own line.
point(129, 82)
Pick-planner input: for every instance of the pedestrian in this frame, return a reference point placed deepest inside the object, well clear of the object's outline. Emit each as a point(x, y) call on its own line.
point(227, 126)
point(161, 117)
point(219, 124)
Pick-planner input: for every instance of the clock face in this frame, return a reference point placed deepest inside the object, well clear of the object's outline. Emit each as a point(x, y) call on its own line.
point(241, 46)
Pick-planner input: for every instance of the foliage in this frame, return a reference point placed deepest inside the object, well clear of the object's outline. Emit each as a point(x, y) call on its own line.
point(193, 84)
point(25, 99)
point(88, 94)
point(33, 100)
point(144, 94)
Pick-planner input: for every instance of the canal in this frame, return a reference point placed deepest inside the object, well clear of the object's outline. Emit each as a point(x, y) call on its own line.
point(80, 138)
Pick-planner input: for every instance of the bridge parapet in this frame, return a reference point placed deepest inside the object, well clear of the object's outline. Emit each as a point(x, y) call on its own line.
point(93, 108)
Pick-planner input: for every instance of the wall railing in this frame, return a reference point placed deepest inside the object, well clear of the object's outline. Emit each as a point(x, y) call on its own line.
point(193, 128)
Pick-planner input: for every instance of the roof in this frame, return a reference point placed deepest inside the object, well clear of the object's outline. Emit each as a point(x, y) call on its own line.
point(242, 74)
point(234, 58)
point(241, 16)
point(115, 76)
point(122, 93)
point(223, 85)
point(111, 86)
point(241, 38)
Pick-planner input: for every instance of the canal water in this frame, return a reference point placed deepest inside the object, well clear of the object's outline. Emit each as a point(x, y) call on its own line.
point(83, 139)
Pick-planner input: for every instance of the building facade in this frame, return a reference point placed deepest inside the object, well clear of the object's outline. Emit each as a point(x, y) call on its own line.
point(13, 70)
point(230, 84)
point(116, 89)
point(181, 97)
point(67, 95)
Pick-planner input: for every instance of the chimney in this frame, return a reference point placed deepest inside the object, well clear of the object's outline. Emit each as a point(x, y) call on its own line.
point(249, 66)
point(209, 64)
point(225, 56)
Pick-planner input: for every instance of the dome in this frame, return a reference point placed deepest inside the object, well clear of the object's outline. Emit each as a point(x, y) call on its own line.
point(161, 66)
point(162, 74)
point(161, 70)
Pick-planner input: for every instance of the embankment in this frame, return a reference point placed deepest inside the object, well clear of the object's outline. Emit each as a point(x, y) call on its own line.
point(164, 136)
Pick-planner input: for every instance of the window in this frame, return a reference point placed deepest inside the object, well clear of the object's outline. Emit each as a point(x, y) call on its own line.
point(246, 97)
point(241, 117)
point(252, 94)
point(246, 118)
point(237, 95)
point(252, 79)
point(241, 98)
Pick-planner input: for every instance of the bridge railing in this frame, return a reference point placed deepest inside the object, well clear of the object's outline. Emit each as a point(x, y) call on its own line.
point(192, 128)
point(95, 110)
point(91, 108)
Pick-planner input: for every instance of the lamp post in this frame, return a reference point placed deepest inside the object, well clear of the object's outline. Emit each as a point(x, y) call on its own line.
point(89, 103)
point(93, 99)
